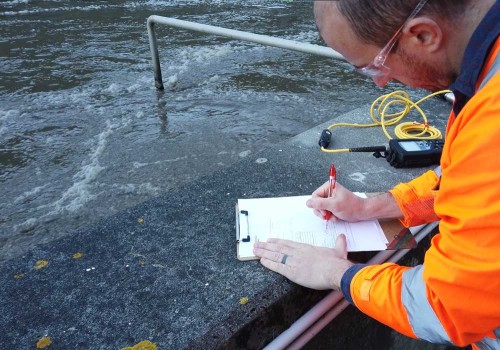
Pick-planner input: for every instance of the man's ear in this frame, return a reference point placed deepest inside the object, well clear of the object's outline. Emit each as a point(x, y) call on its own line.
point(424, 34)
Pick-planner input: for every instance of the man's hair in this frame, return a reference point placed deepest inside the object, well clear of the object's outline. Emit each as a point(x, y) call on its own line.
point(375, 22)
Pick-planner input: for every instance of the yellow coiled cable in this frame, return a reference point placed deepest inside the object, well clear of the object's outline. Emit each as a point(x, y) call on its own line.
point(405, 130)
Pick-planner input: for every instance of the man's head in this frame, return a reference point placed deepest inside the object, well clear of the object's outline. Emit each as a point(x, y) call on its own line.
point(428, 37)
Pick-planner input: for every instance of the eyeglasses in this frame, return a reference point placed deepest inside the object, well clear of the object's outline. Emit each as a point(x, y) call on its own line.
point(377, 69)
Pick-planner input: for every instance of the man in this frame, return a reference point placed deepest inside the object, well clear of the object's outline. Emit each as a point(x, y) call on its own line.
point(454, 296)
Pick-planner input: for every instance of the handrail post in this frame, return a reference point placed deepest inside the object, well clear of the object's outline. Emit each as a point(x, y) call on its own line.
point(154, 53)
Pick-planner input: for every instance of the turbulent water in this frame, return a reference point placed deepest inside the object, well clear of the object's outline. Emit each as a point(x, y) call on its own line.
point(84, 133)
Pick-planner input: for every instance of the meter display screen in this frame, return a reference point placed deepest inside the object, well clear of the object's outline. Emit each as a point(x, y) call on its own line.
point(412, 146)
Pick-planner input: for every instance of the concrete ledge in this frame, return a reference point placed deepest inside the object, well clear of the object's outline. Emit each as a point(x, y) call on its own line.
point(166, 270)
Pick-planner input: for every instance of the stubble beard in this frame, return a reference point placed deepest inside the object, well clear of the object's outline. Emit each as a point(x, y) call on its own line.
point(427, 76)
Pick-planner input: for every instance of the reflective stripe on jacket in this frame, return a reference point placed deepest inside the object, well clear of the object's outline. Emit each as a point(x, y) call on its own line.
point(454, 297)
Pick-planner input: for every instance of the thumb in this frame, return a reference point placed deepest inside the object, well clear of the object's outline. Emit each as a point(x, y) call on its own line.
point(341, 245)
point(317, 203)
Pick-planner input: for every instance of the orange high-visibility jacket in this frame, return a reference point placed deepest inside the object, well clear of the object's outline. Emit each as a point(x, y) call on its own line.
point(454, 296)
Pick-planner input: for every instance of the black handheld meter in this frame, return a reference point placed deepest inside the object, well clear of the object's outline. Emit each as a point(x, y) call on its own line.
point(407, 153)
point(402, 153)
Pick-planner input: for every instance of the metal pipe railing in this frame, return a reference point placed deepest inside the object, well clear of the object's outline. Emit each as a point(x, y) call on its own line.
point(230, 33)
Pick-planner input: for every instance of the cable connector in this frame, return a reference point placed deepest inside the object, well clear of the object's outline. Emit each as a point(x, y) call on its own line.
point(325, 138)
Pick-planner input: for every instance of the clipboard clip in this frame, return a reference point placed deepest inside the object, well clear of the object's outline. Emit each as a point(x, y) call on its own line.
point(246, 240)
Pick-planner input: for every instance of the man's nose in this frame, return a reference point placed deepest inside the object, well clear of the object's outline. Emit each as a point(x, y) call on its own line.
point(381, 81)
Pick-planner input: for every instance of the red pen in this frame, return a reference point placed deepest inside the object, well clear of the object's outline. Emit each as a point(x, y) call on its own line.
point(331, 188)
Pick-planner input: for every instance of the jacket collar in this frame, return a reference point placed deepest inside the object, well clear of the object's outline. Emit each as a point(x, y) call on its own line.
point(475, 55)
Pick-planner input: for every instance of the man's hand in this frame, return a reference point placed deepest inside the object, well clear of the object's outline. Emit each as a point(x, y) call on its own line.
point(344, 205)
point(304, 264)
point(347, 206)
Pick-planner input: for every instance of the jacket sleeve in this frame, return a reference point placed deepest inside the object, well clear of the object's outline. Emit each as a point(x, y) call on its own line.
point(416, 199)
point(396, 296)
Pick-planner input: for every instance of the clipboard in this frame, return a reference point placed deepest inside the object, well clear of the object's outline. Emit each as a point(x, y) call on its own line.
point(396, 235)
point(243, 232)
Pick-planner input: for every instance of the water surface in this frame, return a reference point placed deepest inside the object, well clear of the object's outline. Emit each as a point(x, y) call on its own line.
point(84, 133)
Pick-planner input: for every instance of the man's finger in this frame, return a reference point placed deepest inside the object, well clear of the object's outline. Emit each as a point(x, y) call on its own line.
point(273, 246)
point(320, 213)
point(317, 203)
point(268, 254)
point(282, 269)
point(341, 245)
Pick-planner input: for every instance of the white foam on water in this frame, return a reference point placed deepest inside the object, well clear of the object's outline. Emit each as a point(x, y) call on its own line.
point(28, 195)
point(189, 58)
point(26, 225)
point(194, 57)
point(49, 140)
point(169, 3)
point(79, 193)
point(58, 9)
point(201, 55)
point(212, 79)
point(83, 96)
point(305, 37)
point(172, 80)
point(114, 89)
point(9, 114)
point(122, 88)
point(14, 2)
point(242, 96)
point(134, 88)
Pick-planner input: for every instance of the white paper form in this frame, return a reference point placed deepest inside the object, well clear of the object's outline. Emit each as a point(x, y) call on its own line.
point(289, 218)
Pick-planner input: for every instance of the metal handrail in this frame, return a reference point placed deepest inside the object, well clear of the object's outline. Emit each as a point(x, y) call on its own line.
point(231, 33)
